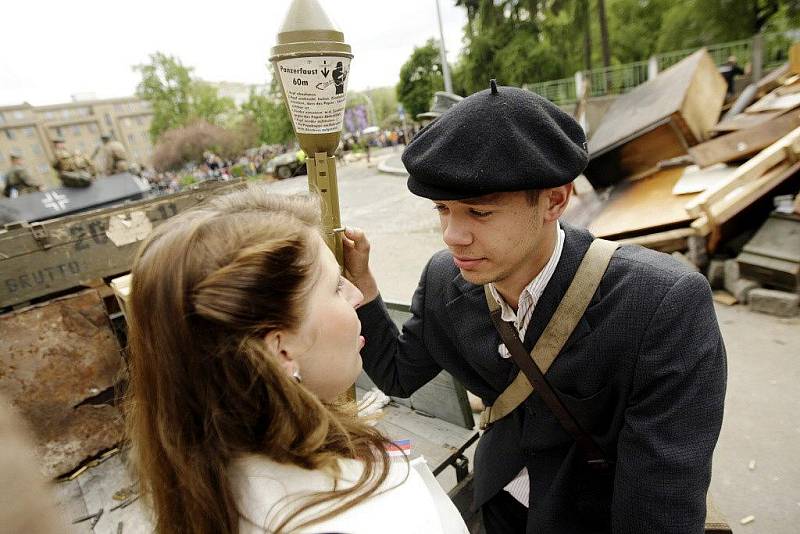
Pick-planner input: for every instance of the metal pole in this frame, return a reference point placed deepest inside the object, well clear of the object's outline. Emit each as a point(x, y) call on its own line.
point(448, 83)
point(757, 64)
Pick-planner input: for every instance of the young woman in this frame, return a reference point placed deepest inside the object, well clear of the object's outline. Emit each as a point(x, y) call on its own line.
point(242, 335)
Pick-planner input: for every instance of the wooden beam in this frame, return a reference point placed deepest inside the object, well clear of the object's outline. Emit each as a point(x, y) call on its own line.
point(742, 197)
point(669, 241)
point(794, 58)
point(788, 147)
point(744, 143)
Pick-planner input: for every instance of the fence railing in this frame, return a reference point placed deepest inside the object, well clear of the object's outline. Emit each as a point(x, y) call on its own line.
point(619, 79)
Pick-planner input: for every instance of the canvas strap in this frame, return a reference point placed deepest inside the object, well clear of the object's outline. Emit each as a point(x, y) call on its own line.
point(534, 366)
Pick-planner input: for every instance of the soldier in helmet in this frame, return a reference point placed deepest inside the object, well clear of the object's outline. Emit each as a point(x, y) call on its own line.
point(115, 157)
point(74, 170)
point(18, 180)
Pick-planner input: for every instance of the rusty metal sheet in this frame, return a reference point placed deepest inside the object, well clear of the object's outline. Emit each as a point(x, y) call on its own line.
point(55, 358)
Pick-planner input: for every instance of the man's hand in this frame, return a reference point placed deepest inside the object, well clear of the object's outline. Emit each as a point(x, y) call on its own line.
point(356, 263)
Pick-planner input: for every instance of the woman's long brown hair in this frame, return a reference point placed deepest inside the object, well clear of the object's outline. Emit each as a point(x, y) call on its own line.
point(207, 287)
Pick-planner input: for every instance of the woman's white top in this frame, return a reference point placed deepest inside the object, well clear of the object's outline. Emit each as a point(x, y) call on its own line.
point(416, 505)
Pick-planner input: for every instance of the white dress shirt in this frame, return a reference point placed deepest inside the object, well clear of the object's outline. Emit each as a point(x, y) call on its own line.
point(519, 488)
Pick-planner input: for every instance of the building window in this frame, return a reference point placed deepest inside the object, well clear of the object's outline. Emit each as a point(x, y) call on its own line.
point(19, 115)
point(118, 107)
point(1, 156)
point(37, 150)
point(48, 115)
point(65, 113)
point(30, 132)
point(131, 138)
point(146, 136)
point(92, 127)
point(139, 120)
point(2, 118)
point(108, 119)
point(10, 133)
point(82, 146)
point(59, 133)
point(76, 129)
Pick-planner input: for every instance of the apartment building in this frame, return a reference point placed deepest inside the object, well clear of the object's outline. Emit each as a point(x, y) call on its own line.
point(28, 130)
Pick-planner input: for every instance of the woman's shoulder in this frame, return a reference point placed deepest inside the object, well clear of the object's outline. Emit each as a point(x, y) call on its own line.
point(402, 504)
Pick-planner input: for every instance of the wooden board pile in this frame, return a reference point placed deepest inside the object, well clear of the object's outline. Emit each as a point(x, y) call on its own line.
point(670, 173)
point(669, 170)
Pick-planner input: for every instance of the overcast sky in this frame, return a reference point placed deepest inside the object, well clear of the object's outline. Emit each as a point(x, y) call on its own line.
point(51, 50)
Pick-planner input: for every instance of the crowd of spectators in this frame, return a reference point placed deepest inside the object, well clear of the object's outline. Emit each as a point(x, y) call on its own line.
point(253, 161)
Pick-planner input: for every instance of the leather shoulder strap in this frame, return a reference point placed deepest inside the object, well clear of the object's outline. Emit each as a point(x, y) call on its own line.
point(561, 324)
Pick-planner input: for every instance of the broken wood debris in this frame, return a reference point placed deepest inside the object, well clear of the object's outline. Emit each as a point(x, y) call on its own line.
point(661, 180)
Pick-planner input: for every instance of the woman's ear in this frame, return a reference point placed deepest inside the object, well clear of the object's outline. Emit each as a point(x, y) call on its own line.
point(277, 344)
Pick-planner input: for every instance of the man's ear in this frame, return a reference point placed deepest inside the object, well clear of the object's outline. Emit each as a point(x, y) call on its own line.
point(278, 345)
point(556, 200)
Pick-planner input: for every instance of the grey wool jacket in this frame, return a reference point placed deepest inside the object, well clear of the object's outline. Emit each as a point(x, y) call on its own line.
point(643, 372)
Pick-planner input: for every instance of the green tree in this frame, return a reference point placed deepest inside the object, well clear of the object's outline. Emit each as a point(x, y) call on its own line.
point(268, 112)
point(206, 104)
point(176, 98)
point(420, 78)
point(166, 85)
point(520, 41)
point(693, 23)
point(634, 26)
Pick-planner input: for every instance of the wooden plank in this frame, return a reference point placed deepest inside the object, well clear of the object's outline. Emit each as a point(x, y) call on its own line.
point(741, 197)
point(789, 89)
point(642, 207)
point(794, 58)
point(744, 143)
point(785, 147)
point(774, 79)
point(775, 102)
point(656, 100)
point(669, 241)
point(696, 180)
point(19, 239)
point(704, 98)
point(639, 157)
point(746, 120)
point(78, 249)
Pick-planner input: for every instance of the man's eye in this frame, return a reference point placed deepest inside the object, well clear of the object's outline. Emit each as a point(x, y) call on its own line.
point(439, 207)
point(478, 213)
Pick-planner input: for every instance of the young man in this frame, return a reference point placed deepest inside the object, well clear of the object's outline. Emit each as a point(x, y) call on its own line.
point(643, 372)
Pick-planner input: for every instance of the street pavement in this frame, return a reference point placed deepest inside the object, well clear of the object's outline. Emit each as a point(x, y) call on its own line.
point(755, 472)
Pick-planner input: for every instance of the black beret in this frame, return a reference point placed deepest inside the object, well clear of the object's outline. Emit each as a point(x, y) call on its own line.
point(500, 139)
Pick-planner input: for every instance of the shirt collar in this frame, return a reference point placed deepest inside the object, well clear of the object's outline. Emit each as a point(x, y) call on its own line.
point(533, 291)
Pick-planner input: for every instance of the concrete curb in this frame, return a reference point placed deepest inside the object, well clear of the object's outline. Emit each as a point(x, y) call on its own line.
point(385, 167)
